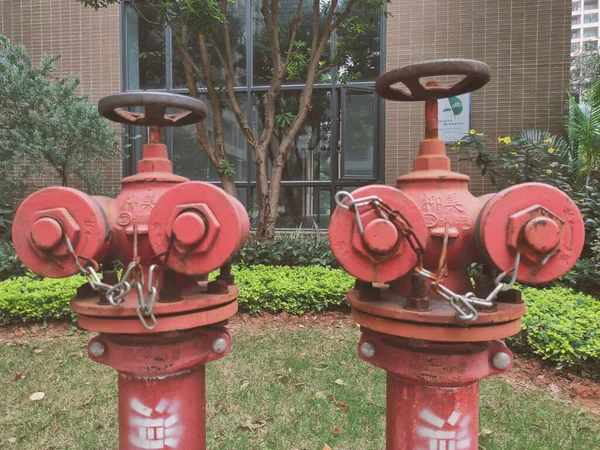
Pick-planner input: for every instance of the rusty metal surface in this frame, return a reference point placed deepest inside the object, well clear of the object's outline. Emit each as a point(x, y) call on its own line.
point(351, 249)
point(392, 306)
point(155, 104)
point(162, 393)
point(184, 321)
point(78, 216)
point(505, 219)
point(433, 363)
point(437, 332)
point(476, 73)
point(432, 395)
point(191, 299)
point(224, 227)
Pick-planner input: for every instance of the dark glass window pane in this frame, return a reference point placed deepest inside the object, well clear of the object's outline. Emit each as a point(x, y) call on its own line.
point(299, 207)
point(146, 67)
point(360, 46)
point(236, 16)
point(309, 158)
point(358, 133)
point(191, 161)
point(263, 62)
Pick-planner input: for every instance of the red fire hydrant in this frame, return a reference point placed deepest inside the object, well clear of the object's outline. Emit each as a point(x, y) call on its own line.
point(159, 325)
point(422, 321)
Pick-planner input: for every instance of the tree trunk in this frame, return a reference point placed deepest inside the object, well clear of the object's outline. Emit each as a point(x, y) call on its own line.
point(216, 153)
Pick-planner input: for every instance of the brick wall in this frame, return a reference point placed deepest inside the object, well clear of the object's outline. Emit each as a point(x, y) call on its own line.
point(87, 40)
point(526, 43)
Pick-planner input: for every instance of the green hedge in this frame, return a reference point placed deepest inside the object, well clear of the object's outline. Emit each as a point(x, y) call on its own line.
point(31, 299)
point(273, 289)
point(292, 289)
point(563, 326)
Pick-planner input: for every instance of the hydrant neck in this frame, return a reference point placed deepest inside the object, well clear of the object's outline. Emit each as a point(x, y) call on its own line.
point(155, 158)
point(432, 150)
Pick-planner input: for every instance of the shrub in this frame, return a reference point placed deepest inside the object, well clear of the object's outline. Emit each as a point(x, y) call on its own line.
point(46, 125)
point(563, 326)
point(10, 264)
point(288, 250)
point(25, 299)
point(292, 289)
point(262, 288)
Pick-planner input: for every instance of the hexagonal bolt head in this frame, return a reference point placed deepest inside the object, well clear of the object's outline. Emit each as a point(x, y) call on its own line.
point(219, 345)
point(189, 227)
point(381, 239)
point(367, 349)
point(186, 221)
point(381, 236)
point(97, 349)
point(501, 360)
point(538, 228)
point(46, 233)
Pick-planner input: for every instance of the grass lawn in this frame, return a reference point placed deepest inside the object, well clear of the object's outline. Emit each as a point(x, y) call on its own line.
point(275, 390)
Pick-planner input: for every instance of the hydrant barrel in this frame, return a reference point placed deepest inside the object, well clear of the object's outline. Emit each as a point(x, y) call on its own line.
point(422, 320)
point(159, 325)
point(429, 417)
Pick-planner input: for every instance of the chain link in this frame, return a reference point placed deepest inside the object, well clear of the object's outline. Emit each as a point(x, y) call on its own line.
point(147, 303)
point(132, 276)
point(386, 212)
point(463, 304)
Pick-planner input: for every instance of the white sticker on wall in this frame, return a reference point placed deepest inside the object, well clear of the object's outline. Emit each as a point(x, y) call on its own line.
point(157, 428)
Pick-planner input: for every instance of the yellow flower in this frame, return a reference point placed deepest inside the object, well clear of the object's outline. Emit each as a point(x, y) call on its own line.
point(507, 140)
point(516, 166)
point(548, 141)
point(513, 153)
point(500, 139)
point(472, 131)
point(548, 171)
point(479, 134)
point(581, 200)
point(454, 147)
point(551, 150)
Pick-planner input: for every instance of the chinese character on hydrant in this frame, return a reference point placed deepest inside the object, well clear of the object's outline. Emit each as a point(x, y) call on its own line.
point(158, 323)
point(410, 248)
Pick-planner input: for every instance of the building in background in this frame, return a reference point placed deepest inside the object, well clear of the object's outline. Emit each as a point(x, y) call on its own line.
point(351, 138)
point(584, 23)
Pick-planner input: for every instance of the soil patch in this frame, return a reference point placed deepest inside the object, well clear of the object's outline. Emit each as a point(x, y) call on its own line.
point(531, 373)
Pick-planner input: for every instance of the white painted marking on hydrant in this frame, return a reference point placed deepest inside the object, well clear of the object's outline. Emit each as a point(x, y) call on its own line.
point(155, 428)
point(439, 438)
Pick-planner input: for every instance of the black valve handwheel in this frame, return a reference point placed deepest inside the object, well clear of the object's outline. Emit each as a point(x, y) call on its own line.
point(476, 75)
point(155, 105)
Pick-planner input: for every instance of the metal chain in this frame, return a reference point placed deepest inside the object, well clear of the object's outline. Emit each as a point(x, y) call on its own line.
point(386, 212)
point(132, 276)
point(464, 305)
point(146, 303)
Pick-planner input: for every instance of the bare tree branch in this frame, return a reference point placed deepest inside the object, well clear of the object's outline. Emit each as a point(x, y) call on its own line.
point(344, 14)
point(237, 111)
point(182, 46)
point(295, 25)
point(189, 70)
point(272, 34)
point(213, 96)
point(315, 26)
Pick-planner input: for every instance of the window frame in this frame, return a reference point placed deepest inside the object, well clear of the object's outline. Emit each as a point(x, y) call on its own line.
point(133, 149)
